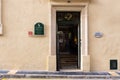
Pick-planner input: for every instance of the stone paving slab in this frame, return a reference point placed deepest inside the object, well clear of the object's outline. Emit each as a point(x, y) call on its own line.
point(62, 73)
point(4, 71)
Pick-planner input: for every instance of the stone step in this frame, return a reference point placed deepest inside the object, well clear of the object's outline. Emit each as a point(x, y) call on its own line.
point(60, 75)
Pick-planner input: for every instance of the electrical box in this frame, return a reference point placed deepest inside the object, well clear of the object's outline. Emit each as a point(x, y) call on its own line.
point(1, 29)
point(113, 64)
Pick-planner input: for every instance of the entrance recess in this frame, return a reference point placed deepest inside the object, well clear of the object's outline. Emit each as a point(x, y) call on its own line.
point(68, 39)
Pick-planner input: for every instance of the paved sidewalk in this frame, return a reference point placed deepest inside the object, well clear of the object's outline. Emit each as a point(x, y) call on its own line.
point(61, 79)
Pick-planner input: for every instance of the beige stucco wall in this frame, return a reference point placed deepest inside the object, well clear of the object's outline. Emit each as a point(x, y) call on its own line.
point(20, 51)
point(104, 16)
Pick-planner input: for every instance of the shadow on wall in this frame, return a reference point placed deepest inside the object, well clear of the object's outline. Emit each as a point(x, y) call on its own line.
point(70, 0)
point(94, 1)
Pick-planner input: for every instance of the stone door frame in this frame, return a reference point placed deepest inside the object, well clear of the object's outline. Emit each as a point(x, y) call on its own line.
point(83, 8)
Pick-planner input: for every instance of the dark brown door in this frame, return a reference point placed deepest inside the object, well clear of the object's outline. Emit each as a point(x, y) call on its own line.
point(67, 42)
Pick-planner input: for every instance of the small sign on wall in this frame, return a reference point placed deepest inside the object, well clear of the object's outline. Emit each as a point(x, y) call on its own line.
point(98, 34)
point(39, 29)
point(30, 33)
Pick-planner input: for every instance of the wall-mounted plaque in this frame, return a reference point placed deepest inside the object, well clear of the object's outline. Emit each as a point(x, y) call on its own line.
point(98, 34)
point(39, 29)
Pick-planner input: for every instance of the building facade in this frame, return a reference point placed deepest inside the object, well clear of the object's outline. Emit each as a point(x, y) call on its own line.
point(53, 35)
